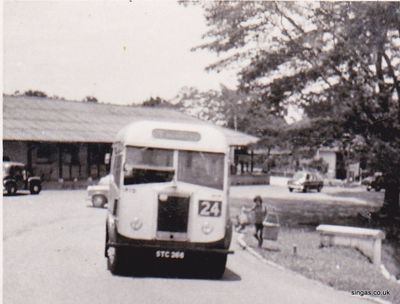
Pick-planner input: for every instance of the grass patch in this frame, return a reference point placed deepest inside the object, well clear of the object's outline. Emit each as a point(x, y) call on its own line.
point(342, 268)
point(310, 212)
point(369, 196)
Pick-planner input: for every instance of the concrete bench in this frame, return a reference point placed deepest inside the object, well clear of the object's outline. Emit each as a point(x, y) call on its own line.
point(368, 241)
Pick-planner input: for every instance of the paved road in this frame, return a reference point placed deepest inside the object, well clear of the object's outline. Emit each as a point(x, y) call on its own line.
point(53, 253)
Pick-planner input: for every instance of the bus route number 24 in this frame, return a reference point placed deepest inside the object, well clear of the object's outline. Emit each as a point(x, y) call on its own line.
point(210, 208)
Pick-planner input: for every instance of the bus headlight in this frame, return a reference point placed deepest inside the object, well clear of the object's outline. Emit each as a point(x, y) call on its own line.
point(163, 197)
point(136, 223)
point(207, 228)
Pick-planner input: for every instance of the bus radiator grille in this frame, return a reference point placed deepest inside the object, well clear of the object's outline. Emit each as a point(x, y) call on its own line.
point(173, 214)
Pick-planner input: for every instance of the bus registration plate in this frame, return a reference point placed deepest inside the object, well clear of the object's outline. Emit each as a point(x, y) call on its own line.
point(170, 254)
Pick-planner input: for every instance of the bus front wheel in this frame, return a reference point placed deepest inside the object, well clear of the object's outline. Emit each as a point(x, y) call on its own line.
point(216, 264)
point(116, 261)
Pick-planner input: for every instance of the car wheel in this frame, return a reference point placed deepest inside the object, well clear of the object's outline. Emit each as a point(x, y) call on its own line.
point(377, 189)
point(35, 188)
point(291, 189)
point(11, 188)
point(304, 189)
point(99, 201)
point(319, 188)
point(116, 261)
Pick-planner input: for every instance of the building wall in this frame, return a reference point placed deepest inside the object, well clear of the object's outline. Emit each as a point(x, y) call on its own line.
point(45, 161)
point(15, 151)
point(74, 161)
point(55, 161)
point(354, 171)
point(330, 158)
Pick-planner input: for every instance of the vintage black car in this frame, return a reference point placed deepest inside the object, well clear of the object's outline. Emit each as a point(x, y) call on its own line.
point(16, 177)
point(377, 183)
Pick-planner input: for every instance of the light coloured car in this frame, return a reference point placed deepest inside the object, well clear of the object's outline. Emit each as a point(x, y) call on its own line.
point(98, 194)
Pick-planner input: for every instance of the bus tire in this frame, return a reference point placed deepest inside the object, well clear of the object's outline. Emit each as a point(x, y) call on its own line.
point(116, 261)
point(216, 265)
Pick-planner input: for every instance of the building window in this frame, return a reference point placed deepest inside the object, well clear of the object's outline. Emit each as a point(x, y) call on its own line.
point(70, 155)
point(46, 153)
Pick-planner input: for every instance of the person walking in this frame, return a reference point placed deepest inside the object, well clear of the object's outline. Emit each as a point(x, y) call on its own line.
point(260, 212)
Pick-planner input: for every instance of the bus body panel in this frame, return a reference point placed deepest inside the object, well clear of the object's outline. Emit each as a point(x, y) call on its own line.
point(141, 203)
point(169, 194)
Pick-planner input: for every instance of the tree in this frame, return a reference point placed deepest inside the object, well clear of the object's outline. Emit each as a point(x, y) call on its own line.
point(229, 108)
point(91, 99)
point(338, 61)
point(217, 106)
point(157, 102)
point(35, 93)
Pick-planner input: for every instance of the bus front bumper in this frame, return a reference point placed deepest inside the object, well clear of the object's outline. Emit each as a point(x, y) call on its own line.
point(149, 247)
point(157, 247)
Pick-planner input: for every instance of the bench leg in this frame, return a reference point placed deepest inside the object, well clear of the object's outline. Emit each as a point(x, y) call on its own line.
point(377, 252)
point(325, 240)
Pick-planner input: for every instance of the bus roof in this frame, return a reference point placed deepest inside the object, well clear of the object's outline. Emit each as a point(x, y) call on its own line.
point(173, 135)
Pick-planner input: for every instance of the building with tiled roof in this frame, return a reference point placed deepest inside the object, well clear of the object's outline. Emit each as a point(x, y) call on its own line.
point(60, 139)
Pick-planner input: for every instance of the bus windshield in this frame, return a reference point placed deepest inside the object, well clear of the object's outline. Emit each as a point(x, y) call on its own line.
point(153, 165)
point(148, 165)
point(201, 168)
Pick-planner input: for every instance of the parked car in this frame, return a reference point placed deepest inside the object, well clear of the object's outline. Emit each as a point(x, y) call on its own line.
point(367, 181)
point(305, 181)
point(98, 194)
point(17, 177)
point(377, 183)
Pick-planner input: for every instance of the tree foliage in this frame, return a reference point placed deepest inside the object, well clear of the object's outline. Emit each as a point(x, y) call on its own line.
point(156, 102)
point(229, 108)
point(35, 93)
point(91, 99)
point(203, 105)
point(338, 61)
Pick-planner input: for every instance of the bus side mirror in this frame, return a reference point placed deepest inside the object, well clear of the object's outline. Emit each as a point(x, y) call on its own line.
point(107, 158)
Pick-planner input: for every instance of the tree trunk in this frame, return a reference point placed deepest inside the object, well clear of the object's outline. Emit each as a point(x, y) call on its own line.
point(391, 206)
point(389, 216)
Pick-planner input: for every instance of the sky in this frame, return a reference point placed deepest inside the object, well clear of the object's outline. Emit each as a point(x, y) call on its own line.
point(121, 52)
